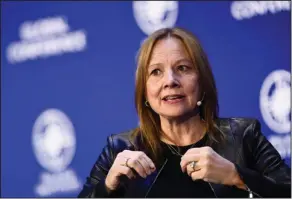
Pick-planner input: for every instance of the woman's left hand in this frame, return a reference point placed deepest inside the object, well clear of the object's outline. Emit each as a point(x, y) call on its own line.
point(209, 166)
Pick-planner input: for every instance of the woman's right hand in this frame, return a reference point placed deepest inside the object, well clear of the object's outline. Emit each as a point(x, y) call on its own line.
point(127, 163)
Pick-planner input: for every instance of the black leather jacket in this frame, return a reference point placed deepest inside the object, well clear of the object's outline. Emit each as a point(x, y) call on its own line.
point(258, 163)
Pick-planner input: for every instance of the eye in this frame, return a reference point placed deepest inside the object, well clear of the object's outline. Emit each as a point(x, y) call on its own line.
point(155, 72)
point(182, 68)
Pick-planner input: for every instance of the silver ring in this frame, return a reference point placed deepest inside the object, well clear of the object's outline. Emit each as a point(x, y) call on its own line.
point(193, 164)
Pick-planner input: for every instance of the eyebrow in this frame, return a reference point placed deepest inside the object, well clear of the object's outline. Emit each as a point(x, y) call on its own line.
point(183, 60)
point(177, 62)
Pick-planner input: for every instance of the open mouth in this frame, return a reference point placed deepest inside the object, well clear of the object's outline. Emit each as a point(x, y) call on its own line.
point(170, 98)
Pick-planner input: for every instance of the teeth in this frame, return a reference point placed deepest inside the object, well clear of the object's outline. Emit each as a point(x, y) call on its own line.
point(172, 97)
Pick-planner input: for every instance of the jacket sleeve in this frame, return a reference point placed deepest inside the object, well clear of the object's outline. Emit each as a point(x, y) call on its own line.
point(94, 186)
point(267, 175)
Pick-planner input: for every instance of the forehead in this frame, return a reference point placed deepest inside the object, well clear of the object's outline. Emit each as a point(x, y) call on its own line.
point(169, 46)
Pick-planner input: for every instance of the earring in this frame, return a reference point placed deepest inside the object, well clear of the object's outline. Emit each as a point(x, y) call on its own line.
point(199, 103)
point(147, 103)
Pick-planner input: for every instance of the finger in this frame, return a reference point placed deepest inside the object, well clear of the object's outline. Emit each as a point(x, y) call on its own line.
point(136, 165)
point(191, 156)
point(146, 166)
point(150, 162)
point(186, 159)
point(145, 162)
point(201, 175)
point(122, 157)
point(124, 170)
point(121, 160)
point(197, 175)
point(191, 169)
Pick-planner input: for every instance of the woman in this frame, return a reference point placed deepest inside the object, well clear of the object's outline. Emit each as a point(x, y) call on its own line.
point(181, 148)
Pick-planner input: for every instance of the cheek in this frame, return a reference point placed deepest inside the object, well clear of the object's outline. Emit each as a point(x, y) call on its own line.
point(152, 90)
point(192, 89)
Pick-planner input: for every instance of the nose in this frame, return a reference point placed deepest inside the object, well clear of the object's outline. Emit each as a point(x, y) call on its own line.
point(171, 80)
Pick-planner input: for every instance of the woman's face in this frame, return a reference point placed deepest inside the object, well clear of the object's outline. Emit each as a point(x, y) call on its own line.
point(172, 84)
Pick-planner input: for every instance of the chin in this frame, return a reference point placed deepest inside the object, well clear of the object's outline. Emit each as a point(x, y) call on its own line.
point(174, 114)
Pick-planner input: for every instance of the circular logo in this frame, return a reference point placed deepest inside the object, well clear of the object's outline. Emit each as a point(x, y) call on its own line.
point(275, 101)
point(53, 140)
point(154, 15)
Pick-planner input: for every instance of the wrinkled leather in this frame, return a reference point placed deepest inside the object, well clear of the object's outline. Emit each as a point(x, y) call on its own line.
point(257, 162)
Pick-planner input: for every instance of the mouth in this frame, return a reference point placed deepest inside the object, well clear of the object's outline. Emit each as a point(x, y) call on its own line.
point(169, 98)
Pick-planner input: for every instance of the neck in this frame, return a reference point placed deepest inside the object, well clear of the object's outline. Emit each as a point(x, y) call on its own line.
point(182, 132)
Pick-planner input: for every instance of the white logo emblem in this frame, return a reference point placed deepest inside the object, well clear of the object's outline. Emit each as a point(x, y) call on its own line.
point(154, 15)
point(54, 145)
point(275, 101)
point(53, 140)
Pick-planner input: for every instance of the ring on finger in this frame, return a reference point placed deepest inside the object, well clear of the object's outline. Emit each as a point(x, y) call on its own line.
point(126, 162)
point(193, 165)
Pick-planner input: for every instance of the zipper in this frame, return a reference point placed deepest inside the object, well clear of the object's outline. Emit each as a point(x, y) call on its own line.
point(213, 190)
point(251, 193)
point(148, 191)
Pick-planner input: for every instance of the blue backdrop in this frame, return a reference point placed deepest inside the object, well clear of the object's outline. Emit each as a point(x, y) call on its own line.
point(68, 79)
